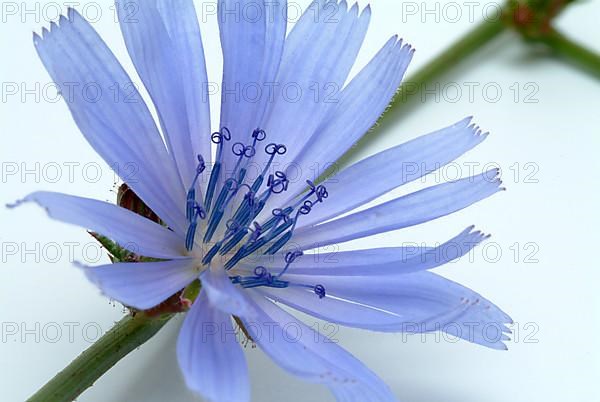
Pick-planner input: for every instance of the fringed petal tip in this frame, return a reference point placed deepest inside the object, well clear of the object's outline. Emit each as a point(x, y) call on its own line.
point(399, 43)
point(504, 339)
point(480, 322)
point(354, 10)
point(405, 54)
point(494, 176)
point(367, 10)
point(16, 204)
point(472, 129)
point(33, 197)
point(406, 48)
point(69, 17)
point(476, 236)
point(478, 131)
point(490, 319)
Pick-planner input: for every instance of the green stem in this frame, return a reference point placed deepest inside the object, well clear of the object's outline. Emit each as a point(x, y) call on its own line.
point(574, 53)
point(412, 87)
point(127, 335)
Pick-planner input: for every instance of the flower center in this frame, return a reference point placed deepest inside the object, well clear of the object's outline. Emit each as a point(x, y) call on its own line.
point(229, 210)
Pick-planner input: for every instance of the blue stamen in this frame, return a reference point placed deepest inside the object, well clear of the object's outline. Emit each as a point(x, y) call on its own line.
point(280, 243)
point(305, 207)
point(278, 182)
point(218, 210)
point(211, 253)
point(212, 185)
point(234, 183)
point(273, 228)
point(290, 257)
point(242, 228)
point(259, 135)
point(212, 226)
point(273, 150)
point(217, 138)
point(190, 236)
point(235, 190)
point(235, 239)
point(262, 277)
point(320, 291)
point(194, 210)
point(256, 232)
point(191, 204)
point(278, 215)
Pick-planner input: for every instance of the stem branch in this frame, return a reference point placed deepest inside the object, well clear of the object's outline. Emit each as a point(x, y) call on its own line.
point(572, 52)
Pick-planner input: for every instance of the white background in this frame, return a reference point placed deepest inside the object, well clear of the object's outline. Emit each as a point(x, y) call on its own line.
point(549, 287)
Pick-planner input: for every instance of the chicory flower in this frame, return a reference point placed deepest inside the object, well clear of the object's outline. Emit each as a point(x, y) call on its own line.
point(245, 232)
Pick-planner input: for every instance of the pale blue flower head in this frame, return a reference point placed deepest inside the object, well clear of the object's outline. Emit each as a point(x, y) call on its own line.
point(239, 208)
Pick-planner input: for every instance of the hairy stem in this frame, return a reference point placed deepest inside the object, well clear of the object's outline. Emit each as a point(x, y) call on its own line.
point(127, 335)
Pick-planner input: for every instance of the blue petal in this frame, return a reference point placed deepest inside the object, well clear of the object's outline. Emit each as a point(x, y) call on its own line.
point(128, 229)
point(319, 54)
point(360, 105)
point(409, 210)
point(313, 357)
point(377, 261)
point(112, 115)
point(156, 59)
point(416, 302)
point(211, 360)
point(223, 295)
point(142, 285)
point(181, 21)
point(252, 38)
point(394, 167)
